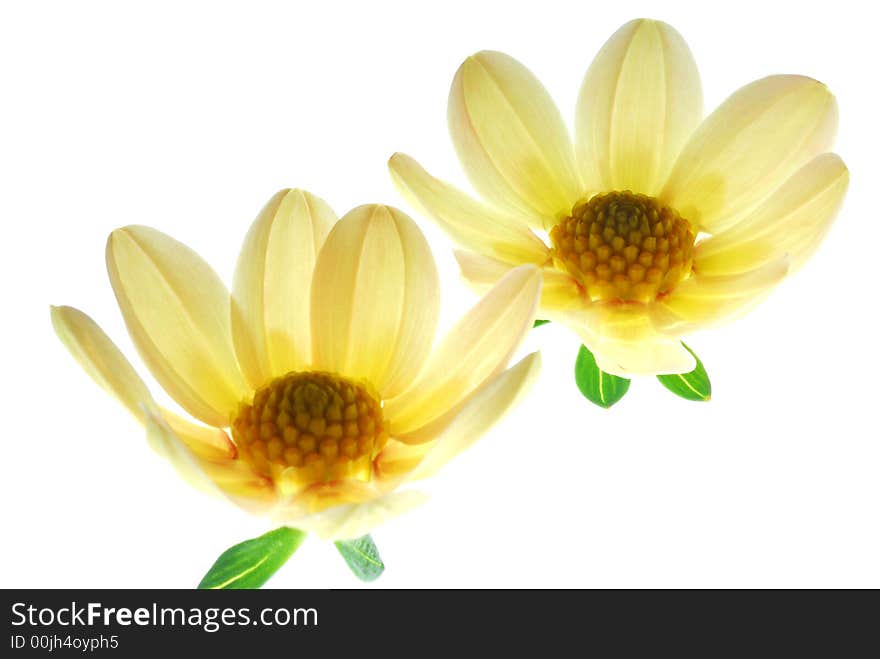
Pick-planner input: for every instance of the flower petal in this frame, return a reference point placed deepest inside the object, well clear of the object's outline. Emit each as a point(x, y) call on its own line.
point(228, 477)
point(510, 137)
point(626, 341)
point(271, 289)
point(177, 312)
point(107, 366)
point(656, 355)
point(479, 346)
point(748, 147)
point(165, 442)
point(375, 299)
point(204, 457)
point(458, 430)
point(701, 300)
point(204, 442)
point(558, 290)
point(348, 521)
point(100, 358)
point(469, 223)
point(793, 220)
point(639, 102)
point(397, 460)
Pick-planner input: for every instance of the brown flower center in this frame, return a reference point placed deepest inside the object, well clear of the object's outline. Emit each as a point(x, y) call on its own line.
point(624, 247)
point(313, 427)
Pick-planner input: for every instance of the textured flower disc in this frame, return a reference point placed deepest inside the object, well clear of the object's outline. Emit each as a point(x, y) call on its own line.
point(624, 247)
point(311, 427)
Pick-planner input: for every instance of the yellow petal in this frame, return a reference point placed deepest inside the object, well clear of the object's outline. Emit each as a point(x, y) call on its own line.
point(626, 341)
point(165, 442)
point(348, 521)
point(650, 356)
point(702, 300)
point(479, 346)
point(107, 366)
point(558, 290)
point(654, 356)
point(177, 312)
point(100, 358)
point(793, 220)
point(207, 443)
point(271, 289)
point(457, 431)
point(228, 477)
point(398, 459)
point(748, 147)
point(471, 224)
point(639, 102)
point(510, 137)
point(375, 299)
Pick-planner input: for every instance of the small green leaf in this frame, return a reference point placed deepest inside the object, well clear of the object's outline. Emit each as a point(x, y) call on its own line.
point(691, 386)
point(362, 557)
point(596, 385)
point(250, 564)
point(538, 323)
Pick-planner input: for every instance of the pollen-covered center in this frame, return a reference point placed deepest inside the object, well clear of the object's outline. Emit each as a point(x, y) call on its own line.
point(624, 247)
point(311, 427)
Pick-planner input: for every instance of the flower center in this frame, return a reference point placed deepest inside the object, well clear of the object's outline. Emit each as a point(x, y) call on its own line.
point(624, 247)
point(312, 427)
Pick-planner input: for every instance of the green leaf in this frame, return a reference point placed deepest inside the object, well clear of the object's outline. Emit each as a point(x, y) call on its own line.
point(538, 323)
point(691, 386)
point(362, 557)
point(250, 564)
point(596, 385)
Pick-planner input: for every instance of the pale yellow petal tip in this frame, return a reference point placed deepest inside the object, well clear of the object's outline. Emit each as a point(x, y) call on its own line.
point(639, 24)
point(118, 234)
point(798, 80)
point(397, 156)
point(283, 192)
point(370, 212)
point(482, 60)
point(128, 229)
point(304, 195)
point(64, 311)
point(532, 362)
point(60, 317)
point(643, 23)
point(364, 211)
point(806, 80)
point(401, 167)
point(112, 237)
point(834, 162)
point(56, 312)
point(398, 163)
point(481, 55)
point(280, 197)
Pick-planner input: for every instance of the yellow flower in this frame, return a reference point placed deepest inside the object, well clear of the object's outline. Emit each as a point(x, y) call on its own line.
point(658, 223)
point(320, 365)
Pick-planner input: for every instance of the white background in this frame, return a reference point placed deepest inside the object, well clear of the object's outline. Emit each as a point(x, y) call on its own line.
point(188, 116)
